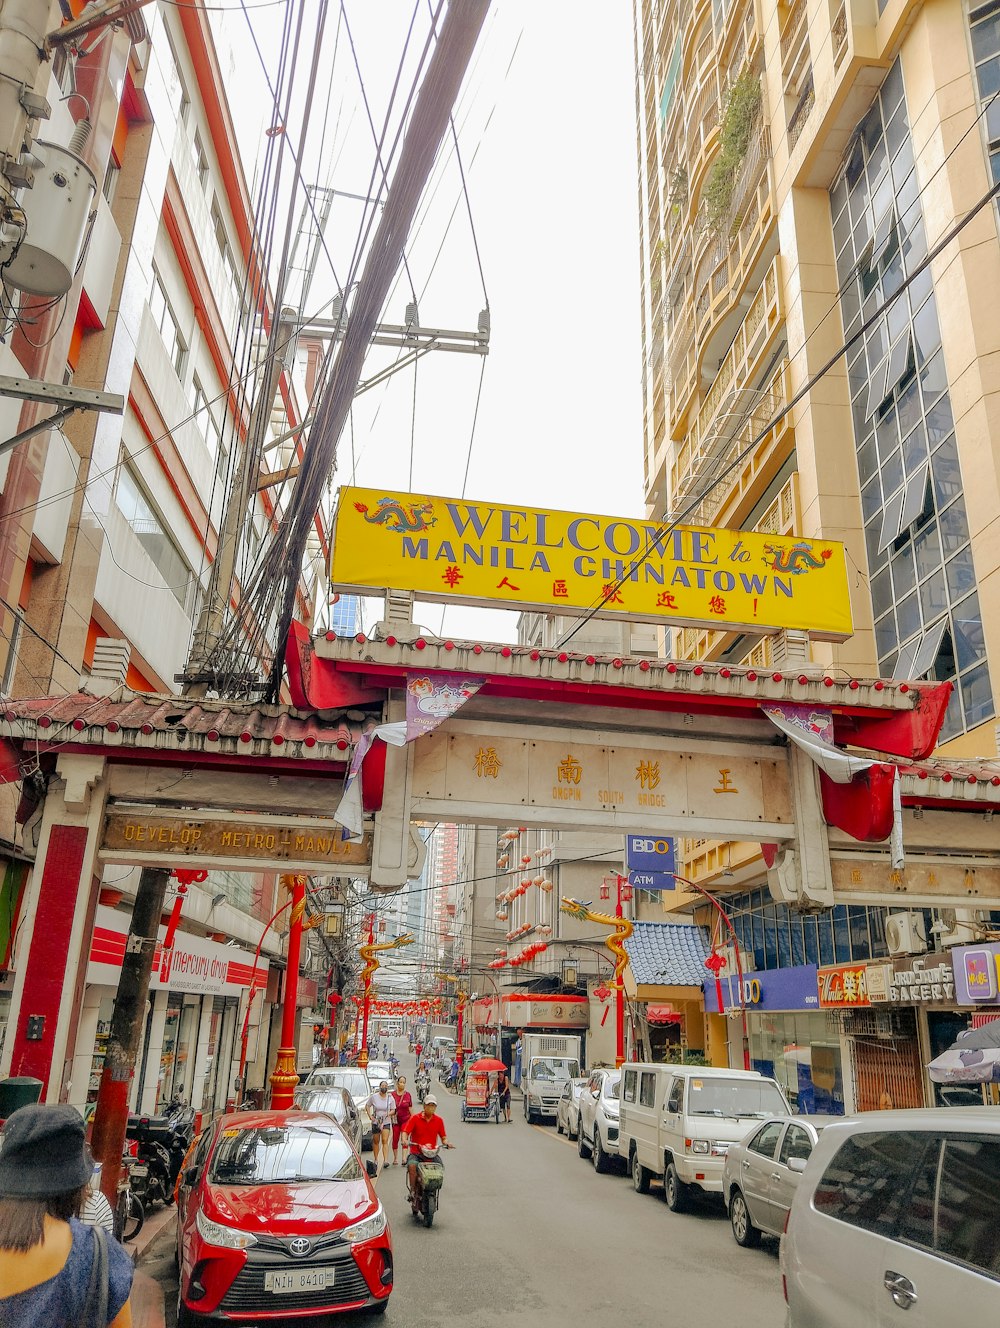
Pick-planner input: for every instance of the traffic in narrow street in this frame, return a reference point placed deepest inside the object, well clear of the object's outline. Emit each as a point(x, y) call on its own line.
point(528, 1232)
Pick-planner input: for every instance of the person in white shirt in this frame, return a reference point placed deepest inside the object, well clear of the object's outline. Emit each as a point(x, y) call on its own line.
point(381, 1109)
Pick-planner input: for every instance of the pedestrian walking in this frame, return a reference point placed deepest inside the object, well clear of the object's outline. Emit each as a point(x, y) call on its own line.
point(404, 1110)
point(381, 1110)
point(503, 1094)
point(418, 1048)
point(54, 1270)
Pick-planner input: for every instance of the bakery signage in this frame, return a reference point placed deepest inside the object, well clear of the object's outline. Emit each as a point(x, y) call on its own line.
point(922, 980)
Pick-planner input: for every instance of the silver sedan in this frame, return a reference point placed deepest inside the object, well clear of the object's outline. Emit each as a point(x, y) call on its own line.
point(568, 1110)
point(338, 1103)
point(762, 1171)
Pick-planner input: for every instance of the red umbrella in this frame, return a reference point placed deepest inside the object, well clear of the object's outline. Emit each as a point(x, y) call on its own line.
point(488, 1065)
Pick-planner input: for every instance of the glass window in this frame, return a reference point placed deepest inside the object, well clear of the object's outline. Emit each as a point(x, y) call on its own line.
point(676, 1099)
point(718, 1096)
point(152, 533)
point(631, 1079)
point(273, 1154)
point(954, 528)
point(929, 649)
point(796, 1143)
point(841, 935)
point(977, 695)
point(917, 499)
point(933, 596)
point(908, 616)
point(970, 646)
point(647, 1089)
point(824, 929)
point(927, 550)
point(765, 1141)
point(946, 473)
point(868, 1182)
point(933, 380)
point(858, 919)
point(169, 328)
point(891, 514)
point(961, 574)
point(966, 1223)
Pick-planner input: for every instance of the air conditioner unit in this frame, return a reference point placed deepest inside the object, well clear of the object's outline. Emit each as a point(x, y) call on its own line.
point(905, 934)
point(959, 926)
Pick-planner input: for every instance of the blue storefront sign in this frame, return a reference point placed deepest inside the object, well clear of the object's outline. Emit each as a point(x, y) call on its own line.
point(644, 880)
point(770, 989)
point(651, 855)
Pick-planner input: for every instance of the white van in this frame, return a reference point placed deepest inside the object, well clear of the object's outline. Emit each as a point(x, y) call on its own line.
point(677, 1122)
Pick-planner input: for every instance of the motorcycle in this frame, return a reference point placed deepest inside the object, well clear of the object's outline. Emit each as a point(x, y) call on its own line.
point(162, 1143)
point(427, 1186)
point(423, 1086)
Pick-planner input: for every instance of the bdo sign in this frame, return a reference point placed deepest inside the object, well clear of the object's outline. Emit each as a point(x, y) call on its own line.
point(651, 862)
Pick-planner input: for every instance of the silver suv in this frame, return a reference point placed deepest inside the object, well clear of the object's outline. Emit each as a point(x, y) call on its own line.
point(897, 1211)
point(599, 1117)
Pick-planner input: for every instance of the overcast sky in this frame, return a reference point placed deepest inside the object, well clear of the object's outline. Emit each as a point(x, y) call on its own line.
point(546, 126)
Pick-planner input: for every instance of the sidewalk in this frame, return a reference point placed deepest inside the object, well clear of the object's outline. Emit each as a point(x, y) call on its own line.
point(148, 1309)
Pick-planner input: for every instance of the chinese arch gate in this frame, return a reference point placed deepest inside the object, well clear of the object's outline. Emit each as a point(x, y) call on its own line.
point(550, 738)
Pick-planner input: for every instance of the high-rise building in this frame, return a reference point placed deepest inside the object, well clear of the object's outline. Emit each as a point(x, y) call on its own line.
point(798, 164)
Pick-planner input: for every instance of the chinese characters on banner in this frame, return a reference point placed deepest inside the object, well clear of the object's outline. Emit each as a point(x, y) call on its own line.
point(483, 553)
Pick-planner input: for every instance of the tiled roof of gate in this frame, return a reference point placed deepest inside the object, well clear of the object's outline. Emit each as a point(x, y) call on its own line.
point(668, 954)
point(142, 722)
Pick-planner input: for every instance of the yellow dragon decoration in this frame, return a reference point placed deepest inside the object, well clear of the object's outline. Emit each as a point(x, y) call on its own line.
point(367, 953)
point(622, 930)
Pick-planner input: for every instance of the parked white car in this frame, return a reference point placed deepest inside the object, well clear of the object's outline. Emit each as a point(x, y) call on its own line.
point(568, 1110)
point(895, 1222)
point(599, 1119)
point(762, 1172)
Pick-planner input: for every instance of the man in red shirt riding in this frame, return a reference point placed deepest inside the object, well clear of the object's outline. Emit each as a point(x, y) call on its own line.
point(425, 1130)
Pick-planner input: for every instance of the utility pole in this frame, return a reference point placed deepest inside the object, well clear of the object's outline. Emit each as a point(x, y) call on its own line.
point(111, 1114)
point(199, 675)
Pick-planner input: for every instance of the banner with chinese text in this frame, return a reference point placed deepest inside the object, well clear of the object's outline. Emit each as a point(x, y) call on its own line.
point(484, 553)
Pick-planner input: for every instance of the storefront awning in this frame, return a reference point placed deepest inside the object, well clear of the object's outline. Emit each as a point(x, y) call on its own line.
point(662, 1014)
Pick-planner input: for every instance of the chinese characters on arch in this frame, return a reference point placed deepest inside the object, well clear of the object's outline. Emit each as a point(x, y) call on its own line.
point(483, 553)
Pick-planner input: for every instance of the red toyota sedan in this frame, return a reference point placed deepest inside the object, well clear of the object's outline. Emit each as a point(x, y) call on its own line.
point(276, 1217)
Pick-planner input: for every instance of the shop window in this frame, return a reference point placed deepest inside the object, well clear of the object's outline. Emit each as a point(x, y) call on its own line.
point(868, 1182)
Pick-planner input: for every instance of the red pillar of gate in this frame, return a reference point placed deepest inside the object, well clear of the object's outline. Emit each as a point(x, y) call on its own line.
point(284, 1079)
point(46, 958)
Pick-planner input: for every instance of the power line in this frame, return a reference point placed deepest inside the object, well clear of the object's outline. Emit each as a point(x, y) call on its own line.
point(668, 527)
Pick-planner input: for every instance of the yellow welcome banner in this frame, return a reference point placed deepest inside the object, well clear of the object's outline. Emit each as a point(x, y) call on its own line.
point(530, 558)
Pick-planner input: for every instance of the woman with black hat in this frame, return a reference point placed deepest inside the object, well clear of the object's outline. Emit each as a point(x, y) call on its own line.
point(53, 1270)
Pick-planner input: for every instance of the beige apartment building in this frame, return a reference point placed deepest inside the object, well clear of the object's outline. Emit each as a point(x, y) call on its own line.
point(798, 163)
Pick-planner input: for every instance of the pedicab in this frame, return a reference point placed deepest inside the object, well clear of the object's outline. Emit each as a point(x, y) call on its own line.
point(482, 1101)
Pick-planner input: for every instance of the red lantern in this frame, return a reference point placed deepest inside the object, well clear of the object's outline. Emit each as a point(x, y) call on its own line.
point(605, 891)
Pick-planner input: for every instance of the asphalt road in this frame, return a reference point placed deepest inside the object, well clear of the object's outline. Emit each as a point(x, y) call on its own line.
point(527, 1232)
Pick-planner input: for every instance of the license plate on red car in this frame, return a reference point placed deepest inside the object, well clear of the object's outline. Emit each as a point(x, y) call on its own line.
point(300, 1279)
